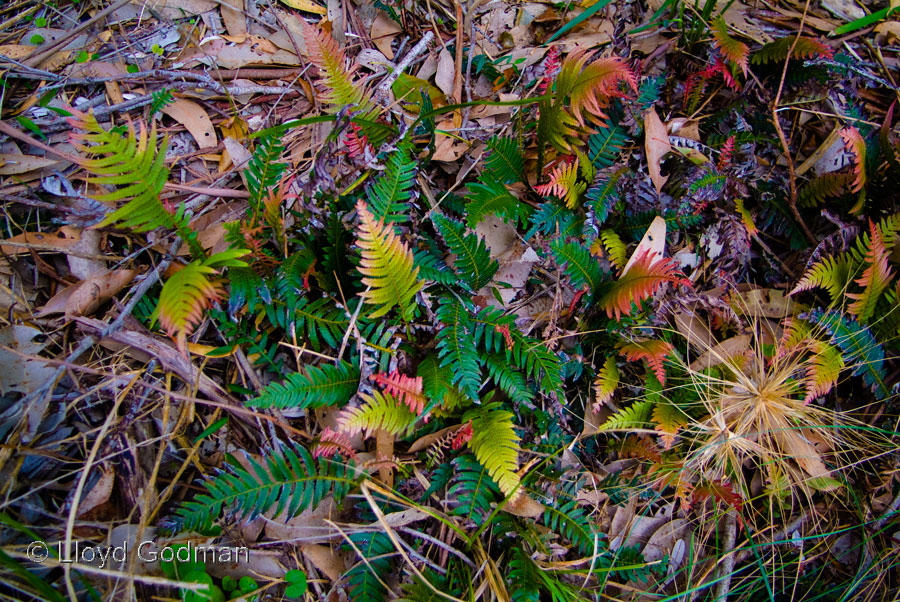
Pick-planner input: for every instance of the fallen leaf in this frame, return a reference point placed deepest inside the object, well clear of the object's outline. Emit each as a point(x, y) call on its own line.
point(445, 74)
point(525, 506)
point(59, 241)
point(428, 440)
point(99, 493)
point(85, 297)
point(656, 143)
point(177, 9)
point(653, 242)
point(16, 51)
point(448, 148)
point(19, 373)
point(234, 56)
point(306, 6)
point(384, 30)
point(722, 352)
point(326, 559)
point(194, 118)
point(233, 17)
point(18, 164)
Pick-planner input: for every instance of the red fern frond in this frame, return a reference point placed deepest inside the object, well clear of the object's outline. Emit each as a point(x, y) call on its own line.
point(332, 442)
point(854, 143)
point(503, 329)
point(551, 69)
point(406, 389)
point(643, 279)
point(693, 88)
point(721, 491)
point(652, 350)
point(591, 85)
point(564, 184)
point(727, 153)
point(735, 51)
point(356, 142)
point(462, 436)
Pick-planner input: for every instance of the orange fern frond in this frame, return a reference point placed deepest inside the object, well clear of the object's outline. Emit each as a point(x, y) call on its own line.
point(669, 419)
point(328, 57)
point(564, 184)
point(405, 388)
point(642, 279)
point(594, 83)
point(642, 448)
point(854, 143)
point(733, 50)
point(875, 278)
point(823, 368)
point(652, 350)
point(331, 442)
point(387, 265)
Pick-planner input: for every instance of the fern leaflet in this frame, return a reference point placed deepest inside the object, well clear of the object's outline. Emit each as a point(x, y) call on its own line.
point(473, 261)
point(320, 386)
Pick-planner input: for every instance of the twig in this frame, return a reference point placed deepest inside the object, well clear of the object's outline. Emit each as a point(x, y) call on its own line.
point(792, 174)
point(727, 566)
point(414, 52)
point(14, 133)
point(40, 54)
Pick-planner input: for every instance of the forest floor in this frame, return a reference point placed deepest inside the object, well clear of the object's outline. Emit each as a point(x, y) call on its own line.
point(449, 300)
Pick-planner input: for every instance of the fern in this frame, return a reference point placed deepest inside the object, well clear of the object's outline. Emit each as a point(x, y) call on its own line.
point(387, 265)
point(635, 416)
point(875, 278)
point(856, 146)
point(820, 189)
point(581, 267)
point(496, 446)
point(604, 194)
point(456, 347)
point(615, 247)
point(161, 98)
point(492, 197)
point(553, 218)
point(567, 519)
point(190, 291)
point(433, 269)
point(605, 146)
point(564, 185)
point(390, 194)
point(365, 577)
point(823, 369)
point(606, 383)
point(472, 488)
point(405, 388)
point(523, 577)
point(832, 273)
point(642, 280)
point(264, 172)
point(331, 442)
point(284, 484)
point(653, 351)
point(668, 418)
point(473, 261)
point(777, 51)
point(320, 386)
point(510, 381)
point(860, 349)
point(736, 52)
point(379, 411)
point(505, 162)
point(326, 55)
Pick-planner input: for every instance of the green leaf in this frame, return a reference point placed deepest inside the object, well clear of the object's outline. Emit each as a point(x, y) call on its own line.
point(321, 386)
point(473, 261)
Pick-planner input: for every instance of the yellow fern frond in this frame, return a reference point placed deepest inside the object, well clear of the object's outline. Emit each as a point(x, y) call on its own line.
point(327, 56)
point(387, 265)
point(606, 382)
point(378, 411)
point(669, 419)
point(496, 446)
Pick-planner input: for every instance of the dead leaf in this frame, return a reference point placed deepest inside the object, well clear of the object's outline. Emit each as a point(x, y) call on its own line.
point(384, 447)
point(653, 242)
point(656, 143)
point(59, 241)
point(448, 148)
point(326, 559)
point(428, 440)
point(306, 6)
point(85, 297)
point(234, 56)
point(18, 164)
point(525, 506)
point(804, 453)
point(19, 373)
point(694, 329)
point(233, 17)
point(384, 30)
point(99, 493)
point(194, 118)
point(16, 51)
point(308, 526)
point(89, 243)
point(722, 352)
point(445, 74)
point(176, 9)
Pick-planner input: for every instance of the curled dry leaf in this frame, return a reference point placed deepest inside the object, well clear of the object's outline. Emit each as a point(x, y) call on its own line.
point(85, 297)
point(656, 143)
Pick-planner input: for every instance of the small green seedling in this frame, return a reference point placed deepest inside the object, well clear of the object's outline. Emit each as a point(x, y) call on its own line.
point(296, 581)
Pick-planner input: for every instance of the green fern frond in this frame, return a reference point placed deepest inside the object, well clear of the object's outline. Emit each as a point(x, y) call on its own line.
point(433, 269)
point(190, 291)
point(604, 195)
point(284, 484)
point(505, 161)
point(320, 322)
point(456, 347)
point(582, 268)
point(264, 171)
point(669, 419)
point(490, 196)
point(161, 98)
point(378, 411)
point(862, 353)
point(523, 577)
point(615, 247)
point(473, 261)
point(365, 577)
point(831, 273)
point(606, 382)
point(390, 194)
point(472, 488)
point(321, 386)
point(777, 51)
point(634, 416)
point(605, 146)
point(387, 267)
point(510, 381)
point(820, 189)
point(567, 519)
point(713, 181)
point(823, 368)
point(553, 218)
point(496, 446)
point(875, 278)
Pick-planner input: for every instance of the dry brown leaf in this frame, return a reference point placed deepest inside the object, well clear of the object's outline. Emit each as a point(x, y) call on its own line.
point(16, 51)
point(326, 559)
point(176, 9)
point(448, 148)
point(384, 448)
point(384, 30)
point(85, 297)
point(656, 143)
point(18, 164)
point(307, 6)
point(653, 242)
point(428, 440)
point(525, 506)
point(722, 352)
point(99, 493)
point(233, 16)
point(195, 119)
point(235, 56)
point(804, 453)
point(59, 241)
point(307, 526)
point(694, 329)
point(445, 74)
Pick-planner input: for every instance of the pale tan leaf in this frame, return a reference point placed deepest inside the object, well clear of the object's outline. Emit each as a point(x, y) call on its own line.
point(85, 297)
point(58, 242)
point(326, 559)
point(384, 30)
point(233, 16)
point(307, 6)
point(17, 164)
point(722, 352)
point(446, 72)
point(99, 493)
point(194, 118)
point(525, 506)
point(656, 143)
point(653, 241)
